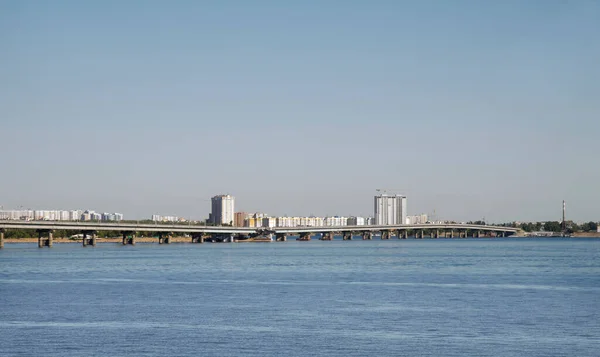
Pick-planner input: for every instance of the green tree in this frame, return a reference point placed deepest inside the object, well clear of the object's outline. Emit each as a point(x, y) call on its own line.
point(552, 226)
point(589, 227)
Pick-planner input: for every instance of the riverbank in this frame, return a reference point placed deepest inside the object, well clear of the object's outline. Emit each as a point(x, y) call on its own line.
point(586, 235)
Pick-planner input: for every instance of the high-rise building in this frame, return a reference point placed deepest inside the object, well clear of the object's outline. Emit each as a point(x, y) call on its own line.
point(390, 209)
point(222, 211)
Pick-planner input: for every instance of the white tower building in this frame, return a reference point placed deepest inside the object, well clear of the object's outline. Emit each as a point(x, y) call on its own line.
point(390, 209)
point(222, 209)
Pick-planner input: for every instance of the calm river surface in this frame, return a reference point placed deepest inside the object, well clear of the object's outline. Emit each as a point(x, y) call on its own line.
point(467, 297)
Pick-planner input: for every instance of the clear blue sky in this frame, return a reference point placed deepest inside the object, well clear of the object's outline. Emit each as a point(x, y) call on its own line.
point(472, 109)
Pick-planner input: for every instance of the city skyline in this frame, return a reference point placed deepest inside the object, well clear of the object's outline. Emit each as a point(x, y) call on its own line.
point(474, 110)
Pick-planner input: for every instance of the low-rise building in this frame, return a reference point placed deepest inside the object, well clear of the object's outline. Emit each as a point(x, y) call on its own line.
point(356, 221)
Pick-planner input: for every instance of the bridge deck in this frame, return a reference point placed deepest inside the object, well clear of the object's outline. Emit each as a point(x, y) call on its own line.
point(133, 227)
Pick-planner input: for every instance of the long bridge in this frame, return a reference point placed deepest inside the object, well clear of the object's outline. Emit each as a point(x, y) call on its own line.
point(200, 233)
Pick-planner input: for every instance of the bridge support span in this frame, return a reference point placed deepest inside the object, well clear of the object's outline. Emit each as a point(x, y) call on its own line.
point(1, 238)
point(128, 238)
point(385, 234)
point(280, 237)
point(164, 238)
point(304, 236)
point(45, 241)
point(197, 238)
point(368, 235)
point(347, 235)
point(88, 238)
point(327, 236)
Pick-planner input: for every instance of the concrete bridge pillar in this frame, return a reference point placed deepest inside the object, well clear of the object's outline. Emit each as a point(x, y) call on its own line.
point(1, 238)
point(44, 241)
point(503, 234)
point(385, 235)
point(347, 235)
point(405, 234)
point(280, 237)
point(326, 236)
point(367, 235)
point(304, 236)
point(437, 233)
point(197, 238)
point(164, 238)
point(478, 234)
point(452, 233)
point(128, 240)
point(88, 238)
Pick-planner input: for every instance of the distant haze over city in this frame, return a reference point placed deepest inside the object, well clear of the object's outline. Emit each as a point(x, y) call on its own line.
point(472, 110)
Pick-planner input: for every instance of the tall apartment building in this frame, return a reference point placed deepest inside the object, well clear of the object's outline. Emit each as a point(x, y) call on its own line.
point(390, 209)
point(222, 211)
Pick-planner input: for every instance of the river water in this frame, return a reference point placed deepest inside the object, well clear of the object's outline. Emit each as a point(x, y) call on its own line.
point(467, 297)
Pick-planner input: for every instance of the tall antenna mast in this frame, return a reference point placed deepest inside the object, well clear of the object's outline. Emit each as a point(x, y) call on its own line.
point(564, 224)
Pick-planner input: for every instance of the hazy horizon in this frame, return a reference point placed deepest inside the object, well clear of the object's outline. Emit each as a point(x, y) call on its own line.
point(472, 110)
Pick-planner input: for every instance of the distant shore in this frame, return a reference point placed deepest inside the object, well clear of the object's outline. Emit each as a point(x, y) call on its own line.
point(586, 235)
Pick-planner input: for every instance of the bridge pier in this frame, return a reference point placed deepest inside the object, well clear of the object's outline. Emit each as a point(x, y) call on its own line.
point(45, 241)
point(1, 238)
point(85, 241)
point(128, 240)
point(451, 233)
point(404, 234)
point(385, 235)
point(164, 238)
point(197, 238)
point(304, 236)
point(280, 237)
point(368, 235)
point(347, 235)
point(327, 236)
